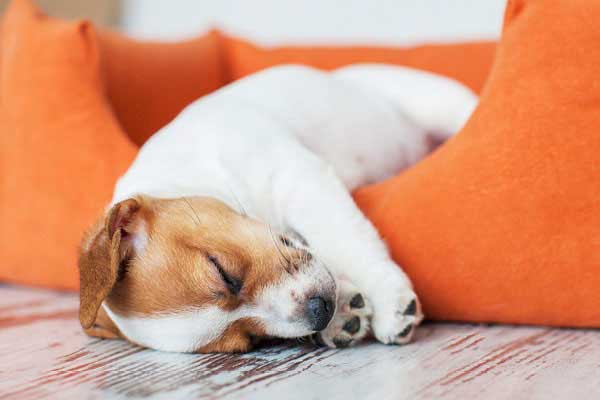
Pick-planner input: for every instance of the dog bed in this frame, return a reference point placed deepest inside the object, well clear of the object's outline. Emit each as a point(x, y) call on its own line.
point(501, 224)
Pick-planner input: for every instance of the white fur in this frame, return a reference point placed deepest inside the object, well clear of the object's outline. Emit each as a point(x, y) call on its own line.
point(184, 331)
point(440, 106)
point(289, 143)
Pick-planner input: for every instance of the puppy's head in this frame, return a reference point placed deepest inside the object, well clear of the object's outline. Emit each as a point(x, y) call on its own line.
point(192, 275)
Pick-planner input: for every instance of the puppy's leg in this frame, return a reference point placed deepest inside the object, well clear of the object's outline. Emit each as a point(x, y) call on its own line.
point(320, 208)
point(437, 104)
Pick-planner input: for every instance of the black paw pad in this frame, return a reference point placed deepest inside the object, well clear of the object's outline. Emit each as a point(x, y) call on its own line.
point(352, 325)
point(411, 309)
point(357, 301)
point(341, 343)
point(406, 331)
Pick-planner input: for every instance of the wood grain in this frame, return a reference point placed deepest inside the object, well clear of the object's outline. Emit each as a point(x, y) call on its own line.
point(44, 354)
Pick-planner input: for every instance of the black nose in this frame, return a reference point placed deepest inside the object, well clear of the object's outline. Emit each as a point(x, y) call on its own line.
point(319, 311)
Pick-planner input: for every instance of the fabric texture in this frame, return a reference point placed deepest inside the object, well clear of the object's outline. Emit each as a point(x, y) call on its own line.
point(149, 83)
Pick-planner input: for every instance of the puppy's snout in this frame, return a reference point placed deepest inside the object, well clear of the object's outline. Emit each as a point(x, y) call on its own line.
point(319, 312)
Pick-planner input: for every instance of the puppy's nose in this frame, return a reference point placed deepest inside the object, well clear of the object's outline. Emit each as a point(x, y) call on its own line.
point(319, 311)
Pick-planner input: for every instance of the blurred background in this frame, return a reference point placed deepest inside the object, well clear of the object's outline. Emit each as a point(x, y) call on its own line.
point(275, 22)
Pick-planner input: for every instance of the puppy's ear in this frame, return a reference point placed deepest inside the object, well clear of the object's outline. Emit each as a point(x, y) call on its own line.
point(103, 256)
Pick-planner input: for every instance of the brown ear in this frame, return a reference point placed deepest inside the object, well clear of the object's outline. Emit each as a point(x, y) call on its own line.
point(103, 254)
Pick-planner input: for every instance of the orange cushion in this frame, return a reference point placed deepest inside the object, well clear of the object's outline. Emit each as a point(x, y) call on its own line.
point(61, 148)
point(149, 83)
point(468, 63)
point(503, 222)
point(75, 105)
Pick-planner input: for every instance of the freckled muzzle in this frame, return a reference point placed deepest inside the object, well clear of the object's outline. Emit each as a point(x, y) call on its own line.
point(301, 303)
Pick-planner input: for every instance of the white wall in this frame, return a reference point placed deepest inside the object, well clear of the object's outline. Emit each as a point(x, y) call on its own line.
point(318, 21)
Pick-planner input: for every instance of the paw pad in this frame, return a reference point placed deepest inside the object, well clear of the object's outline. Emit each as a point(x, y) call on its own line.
point(406, 331)
point(411, 309)
point(341, 343)
point(357, 301)
point(352, 326)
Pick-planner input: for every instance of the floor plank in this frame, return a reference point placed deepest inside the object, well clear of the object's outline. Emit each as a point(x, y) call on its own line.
point(44, 354)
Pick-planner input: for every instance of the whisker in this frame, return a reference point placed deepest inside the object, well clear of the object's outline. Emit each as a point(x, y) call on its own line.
point(240, 205)
point(197, 221)
point(247, 228)
point(287, 250)
point(287, 260)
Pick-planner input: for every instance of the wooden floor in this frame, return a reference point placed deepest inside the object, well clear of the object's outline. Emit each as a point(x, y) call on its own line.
point(44, 354)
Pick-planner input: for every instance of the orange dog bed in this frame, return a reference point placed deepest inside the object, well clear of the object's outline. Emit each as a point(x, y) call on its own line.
point(500, 224)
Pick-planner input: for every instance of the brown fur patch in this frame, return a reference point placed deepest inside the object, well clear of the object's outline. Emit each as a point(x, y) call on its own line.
point(237, 338)
point(173, 272)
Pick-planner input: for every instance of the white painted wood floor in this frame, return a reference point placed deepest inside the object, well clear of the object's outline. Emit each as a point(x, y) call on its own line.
point(44, 354)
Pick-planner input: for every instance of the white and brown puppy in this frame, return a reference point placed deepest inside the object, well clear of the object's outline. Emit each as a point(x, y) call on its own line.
point(235, 221)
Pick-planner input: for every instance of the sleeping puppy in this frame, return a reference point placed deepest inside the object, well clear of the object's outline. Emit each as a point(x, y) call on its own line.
point(235, 221)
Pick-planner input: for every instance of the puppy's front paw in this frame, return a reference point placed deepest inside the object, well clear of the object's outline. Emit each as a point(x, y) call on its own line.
point(397, 312)
point(350, 322)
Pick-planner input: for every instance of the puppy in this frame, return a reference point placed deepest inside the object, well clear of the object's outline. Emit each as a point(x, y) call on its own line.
point(235, 221)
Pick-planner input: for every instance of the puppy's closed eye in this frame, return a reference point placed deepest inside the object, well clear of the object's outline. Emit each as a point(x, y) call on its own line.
point(286, 242)
point(234, 285)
